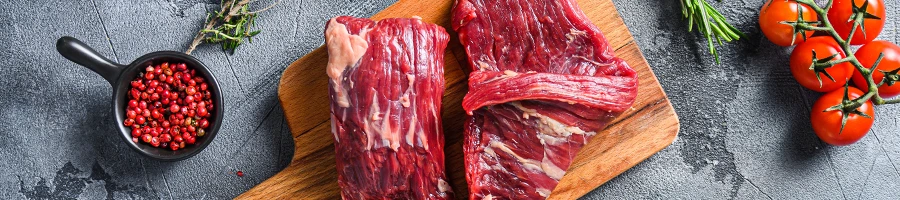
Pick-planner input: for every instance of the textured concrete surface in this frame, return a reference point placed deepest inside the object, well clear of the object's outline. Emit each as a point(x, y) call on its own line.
point(744, 134)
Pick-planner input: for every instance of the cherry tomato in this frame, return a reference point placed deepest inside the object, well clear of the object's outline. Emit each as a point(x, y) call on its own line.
point(827, 124)
point(776, 11)
point(842, 10)
point(867, 56)
point(801, 60)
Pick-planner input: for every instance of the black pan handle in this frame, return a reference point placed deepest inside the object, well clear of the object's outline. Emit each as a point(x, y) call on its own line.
point(80, 53)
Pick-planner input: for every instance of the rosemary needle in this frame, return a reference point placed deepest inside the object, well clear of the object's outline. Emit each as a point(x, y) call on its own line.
point(712, 24)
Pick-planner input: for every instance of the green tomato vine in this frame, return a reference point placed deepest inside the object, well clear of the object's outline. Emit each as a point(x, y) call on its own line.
point(847, 106)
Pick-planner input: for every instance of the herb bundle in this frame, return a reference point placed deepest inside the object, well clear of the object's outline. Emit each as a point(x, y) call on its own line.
point(710, 23)
point(229, 26)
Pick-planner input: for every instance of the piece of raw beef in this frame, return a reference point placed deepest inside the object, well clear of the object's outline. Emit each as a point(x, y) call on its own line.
point(386, 85)
point(543, 82)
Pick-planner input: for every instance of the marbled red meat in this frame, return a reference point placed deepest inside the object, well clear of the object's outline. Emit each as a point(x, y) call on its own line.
point(544, 81)
point(386, 82)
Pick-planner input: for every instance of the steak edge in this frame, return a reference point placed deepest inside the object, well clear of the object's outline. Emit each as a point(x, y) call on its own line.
point(386, 83)
point(544, 81)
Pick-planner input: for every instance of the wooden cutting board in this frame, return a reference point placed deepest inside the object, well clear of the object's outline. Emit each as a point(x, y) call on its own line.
point(647, 128)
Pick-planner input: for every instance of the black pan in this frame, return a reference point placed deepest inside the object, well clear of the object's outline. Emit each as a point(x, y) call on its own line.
point(120, 77)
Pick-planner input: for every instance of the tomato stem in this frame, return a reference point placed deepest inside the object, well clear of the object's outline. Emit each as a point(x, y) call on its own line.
point(827, 27)
point(832, 63)
point(853, 31)
point(861, 100)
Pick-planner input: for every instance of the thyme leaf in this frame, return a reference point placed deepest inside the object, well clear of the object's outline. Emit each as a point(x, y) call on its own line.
point(229, 26)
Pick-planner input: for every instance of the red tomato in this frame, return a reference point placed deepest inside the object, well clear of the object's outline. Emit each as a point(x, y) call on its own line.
point(801, 60)
point(776, 11)
point(842, 10)
point(827, 124)
point(867, 56)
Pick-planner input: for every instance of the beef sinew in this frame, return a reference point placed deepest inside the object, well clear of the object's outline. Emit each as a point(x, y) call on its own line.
point(386, 85)
point(544, 81)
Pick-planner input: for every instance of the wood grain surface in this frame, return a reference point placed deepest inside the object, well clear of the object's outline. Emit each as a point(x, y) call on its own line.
point(647, 128)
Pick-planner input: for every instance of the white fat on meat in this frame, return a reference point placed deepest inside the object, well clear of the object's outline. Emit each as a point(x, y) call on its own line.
point(506, 75)
point(408, 103)
point(334, 130)
point(434, 113)
point(378, 127)
point(552, 133)
point(490, 152)
point(369, 125)
point(344, 50)
point(483, 66)
point(543, 192)
point(416, 131)
point(545, 165)
point(388, 134)
point(404, 100)
point(573, 33)
point(509, 73)
point(379, 131)
point(549, 125)
point(551, 169)
point(551, 140)
point(412, 130)
point(526, 163)
point(443, 186)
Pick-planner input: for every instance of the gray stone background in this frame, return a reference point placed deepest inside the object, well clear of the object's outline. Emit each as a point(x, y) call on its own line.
point(744, 124)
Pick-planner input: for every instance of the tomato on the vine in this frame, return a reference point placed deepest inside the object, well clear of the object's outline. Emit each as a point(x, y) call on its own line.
point(867, 55)
point(774, 12)
point(827, 124)
point(822, 48)
point(840, 16)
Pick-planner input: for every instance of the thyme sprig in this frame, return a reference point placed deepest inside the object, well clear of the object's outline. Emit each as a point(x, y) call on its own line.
point(232, 24)
point(710, 23)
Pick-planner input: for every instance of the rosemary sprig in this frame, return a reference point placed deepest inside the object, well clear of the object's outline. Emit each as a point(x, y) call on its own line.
point(710, 23)
point(232, 24)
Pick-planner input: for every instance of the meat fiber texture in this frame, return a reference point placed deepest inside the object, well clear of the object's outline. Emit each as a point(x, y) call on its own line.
point(386, 85)
point(543, 82)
